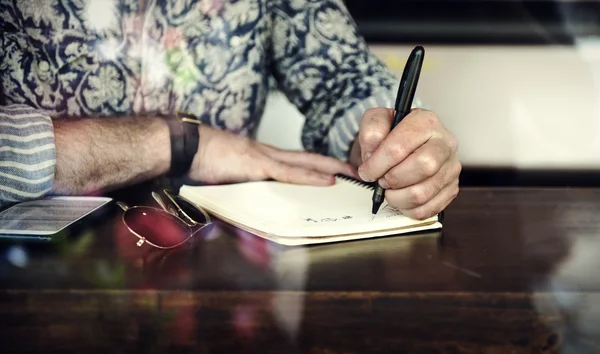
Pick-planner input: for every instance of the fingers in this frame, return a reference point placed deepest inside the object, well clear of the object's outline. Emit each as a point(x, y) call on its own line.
point(320, 163)
point(429, 197)
point(417, 162)
point(432, 207)
point(374, 127)
point(412, 132)
point(287, 173)
point(419, 166)
point(435, 205)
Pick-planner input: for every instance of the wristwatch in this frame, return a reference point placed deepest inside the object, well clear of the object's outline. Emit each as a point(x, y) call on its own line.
point(183, 128)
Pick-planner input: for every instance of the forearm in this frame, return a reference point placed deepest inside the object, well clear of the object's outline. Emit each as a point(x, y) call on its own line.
point(106, 153)
point(331, 90)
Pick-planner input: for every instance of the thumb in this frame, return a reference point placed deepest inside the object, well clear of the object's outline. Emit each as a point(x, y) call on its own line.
point(374, 128)
point(284, 172)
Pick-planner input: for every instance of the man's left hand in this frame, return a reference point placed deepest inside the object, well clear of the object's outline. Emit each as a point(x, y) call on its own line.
point(416, 162)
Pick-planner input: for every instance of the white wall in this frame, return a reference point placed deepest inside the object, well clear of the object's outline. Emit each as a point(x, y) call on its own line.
point(281, 123)
point(520, 106)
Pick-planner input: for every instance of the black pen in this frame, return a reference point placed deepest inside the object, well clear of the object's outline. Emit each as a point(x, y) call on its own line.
point(404, 99)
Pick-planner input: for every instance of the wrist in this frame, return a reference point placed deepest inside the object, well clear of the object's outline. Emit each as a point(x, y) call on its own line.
point(184, 141)
point(156, 150)
point(195, 171)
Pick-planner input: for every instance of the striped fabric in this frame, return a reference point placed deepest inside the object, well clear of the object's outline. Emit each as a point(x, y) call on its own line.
point(27, 153)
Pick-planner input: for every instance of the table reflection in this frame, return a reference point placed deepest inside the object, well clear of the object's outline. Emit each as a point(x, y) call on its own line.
point(512, 271)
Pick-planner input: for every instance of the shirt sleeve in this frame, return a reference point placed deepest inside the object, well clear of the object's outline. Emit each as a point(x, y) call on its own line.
point(325, 68)
point(27, 153)
point(27, 149)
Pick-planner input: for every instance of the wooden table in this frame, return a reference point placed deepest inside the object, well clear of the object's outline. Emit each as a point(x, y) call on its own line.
point(514, 271)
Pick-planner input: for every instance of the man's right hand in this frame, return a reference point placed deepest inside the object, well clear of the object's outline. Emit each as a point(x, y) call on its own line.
point(224, 157)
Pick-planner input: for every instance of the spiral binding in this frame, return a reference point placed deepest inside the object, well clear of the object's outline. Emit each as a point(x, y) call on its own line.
point(368, 185)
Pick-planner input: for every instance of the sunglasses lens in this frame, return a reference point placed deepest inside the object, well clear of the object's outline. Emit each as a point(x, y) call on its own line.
point(157, 227)
point(191, 210)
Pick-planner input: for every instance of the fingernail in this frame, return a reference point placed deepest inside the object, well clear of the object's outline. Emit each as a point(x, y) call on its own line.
point(364, 176)
point(383, 183)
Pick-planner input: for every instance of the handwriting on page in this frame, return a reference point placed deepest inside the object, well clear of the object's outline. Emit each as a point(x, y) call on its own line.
point(390, 211)
point(345, 217)
point(387, 212)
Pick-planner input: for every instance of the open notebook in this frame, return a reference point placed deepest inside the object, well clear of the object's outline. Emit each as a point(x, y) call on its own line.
point(291, 214)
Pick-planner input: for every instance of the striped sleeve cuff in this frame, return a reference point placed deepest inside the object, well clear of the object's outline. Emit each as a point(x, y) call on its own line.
point(27, 153)
point(343, 132)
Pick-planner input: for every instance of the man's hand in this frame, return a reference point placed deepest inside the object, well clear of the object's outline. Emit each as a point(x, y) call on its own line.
point(417, 162)
point(224, 157)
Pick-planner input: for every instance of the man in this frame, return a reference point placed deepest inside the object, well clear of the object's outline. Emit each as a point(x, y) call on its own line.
point(107, 73)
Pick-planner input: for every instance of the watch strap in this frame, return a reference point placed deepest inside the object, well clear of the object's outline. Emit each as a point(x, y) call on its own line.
point(185, 137)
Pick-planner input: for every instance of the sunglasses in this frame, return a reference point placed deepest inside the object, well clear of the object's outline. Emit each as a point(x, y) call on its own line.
point(165, 228)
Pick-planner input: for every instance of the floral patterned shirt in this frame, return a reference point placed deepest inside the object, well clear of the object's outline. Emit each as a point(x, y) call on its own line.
point(214, 58)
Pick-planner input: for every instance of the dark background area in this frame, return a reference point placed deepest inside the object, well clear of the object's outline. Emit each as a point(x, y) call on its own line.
point(472, 22)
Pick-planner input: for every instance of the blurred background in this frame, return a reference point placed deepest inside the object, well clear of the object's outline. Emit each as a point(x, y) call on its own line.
point(516, 81)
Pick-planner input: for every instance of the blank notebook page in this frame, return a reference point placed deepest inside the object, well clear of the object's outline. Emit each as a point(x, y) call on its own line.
point(290, 210)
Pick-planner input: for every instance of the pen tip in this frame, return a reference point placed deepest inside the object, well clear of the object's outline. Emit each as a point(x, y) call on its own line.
point(373, 217)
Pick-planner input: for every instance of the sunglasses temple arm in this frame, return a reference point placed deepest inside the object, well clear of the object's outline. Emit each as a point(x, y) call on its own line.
point(159, 200)
point(183, 214)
